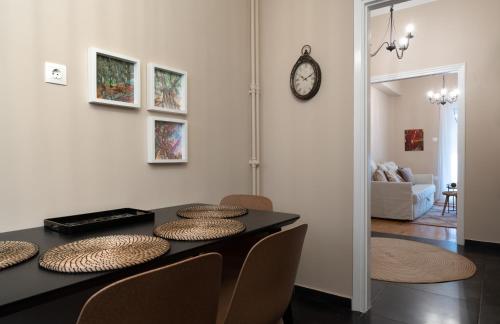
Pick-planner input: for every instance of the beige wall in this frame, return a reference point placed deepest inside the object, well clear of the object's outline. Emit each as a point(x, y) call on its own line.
point(61, 155)
point(307, 147)
point(391, 116)
point(466, 34)
point(382, 115)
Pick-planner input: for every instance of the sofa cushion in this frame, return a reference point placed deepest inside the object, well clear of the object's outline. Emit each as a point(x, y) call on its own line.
point(406, 174)
point(423, 191)
point(388, 166)
point(379, 175)
point(393, 176)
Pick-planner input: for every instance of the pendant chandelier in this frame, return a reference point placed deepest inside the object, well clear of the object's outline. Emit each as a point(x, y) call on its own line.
point(390, 45)
point(443, 97)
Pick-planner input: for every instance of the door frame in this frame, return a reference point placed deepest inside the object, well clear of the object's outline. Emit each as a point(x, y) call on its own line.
point(361, 180)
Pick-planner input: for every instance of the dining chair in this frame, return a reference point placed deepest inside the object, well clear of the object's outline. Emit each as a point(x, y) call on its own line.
point(248, 201)
point(263, 289)
point(182, 293)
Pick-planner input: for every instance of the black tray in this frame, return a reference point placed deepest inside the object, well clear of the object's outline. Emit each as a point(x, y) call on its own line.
point(91, 221)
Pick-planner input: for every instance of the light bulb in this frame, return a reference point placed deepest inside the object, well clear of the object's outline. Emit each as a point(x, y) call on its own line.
point(430, 94)
point(403, 43)
point(444, 91)
point(436, 96)
point(410, 30)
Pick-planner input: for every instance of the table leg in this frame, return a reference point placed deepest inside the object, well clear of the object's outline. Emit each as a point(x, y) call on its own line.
point(446, 203)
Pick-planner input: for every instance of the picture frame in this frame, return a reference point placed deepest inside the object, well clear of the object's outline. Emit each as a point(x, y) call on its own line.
point(167, 140)
point(114, 79)
point(414, 140)
point(166, 89)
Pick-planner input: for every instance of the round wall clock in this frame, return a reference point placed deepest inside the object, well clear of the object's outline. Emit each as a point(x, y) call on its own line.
point(305, 78)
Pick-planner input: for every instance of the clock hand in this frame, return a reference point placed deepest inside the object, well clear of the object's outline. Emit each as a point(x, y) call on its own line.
point(308, 76)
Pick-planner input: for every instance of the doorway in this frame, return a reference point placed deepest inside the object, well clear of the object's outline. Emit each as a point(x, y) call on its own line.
point(418, 136)
point(362, 170)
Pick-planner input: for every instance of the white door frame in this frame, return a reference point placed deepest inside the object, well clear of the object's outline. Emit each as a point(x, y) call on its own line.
point(361, 188)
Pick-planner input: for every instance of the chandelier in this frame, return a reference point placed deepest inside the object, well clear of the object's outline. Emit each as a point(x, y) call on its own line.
point(443, 97)
point(390, 45)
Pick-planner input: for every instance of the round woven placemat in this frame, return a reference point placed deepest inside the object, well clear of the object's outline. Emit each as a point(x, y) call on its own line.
point(198, 229)
point(413, 262)
point(14, 252)
point(211, 211)
point(103, 253)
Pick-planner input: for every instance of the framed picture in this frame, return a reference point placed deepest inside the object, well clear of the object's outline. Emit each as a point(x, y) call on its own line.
point(167, 140)
point(114, 79)
point(414, 140)
point(167, 89)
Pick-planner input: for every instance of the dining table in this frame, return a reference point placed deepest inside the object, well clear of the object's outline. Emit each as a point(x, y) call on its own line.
point(32, 294)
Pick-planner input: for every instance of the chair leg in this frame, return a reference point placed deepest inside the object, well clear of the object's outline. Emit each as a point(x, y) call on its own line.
point(288, 317)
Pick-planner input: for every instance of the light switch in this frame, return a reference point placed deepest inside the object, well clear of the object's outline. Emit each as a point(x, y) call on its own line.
point(55, 73)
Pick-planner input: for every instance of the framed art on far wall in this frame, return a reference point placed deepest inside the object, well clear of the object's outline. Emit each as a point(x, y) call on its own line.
point(414, 140)
point(114, 79)
point(167, 140)
point(167, 89)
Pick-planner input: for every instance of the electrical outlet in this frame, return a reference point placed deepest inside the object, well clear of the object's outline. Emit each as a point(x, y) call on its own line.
point(55, 73)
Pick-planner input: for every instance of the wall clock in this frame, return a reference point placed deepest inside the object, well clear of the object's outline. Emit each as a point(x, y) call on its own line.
point(305, 78)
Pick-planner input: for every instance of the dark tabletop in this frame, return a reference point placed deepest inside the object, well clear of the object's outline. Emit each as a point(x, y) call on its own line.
point(27, 284)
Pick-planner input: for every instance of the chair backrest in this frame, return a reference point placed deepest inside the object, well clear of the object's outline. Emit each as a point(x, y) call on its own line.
point(182, 293)
point(248, 201)
point(265, 284)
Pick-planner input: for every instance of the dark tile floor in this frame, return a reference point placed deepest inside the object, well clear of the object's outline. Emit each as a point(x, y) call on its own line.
point(475, 300)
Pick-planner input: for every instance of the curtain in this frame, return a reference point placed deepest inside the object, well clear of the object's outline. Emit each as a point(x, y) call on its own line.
point(448, 146)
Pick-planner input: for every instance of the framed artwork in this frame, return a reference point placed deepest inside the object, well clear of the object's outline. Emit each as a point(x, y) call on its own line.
point(114, 79)
point(167, 89)
point(167, 140)
point(414, 140)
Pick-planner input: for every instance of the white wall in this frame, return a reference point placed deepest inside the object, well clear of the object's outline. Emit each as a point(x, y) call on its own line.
point(61, 155)
point(307, 147)
point(466, 33)
point(382, 113)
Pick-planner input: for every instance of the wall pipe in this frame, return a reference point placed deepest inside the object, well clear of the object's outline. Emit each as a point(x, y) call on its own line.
point(254, 93)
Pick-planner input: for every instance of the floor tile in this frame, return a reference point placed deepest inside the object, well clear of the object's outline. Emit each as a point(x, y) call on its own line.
point(371, 318)
point(415, 306)
point(489, 315)
point(377, 287)
point(462, 289)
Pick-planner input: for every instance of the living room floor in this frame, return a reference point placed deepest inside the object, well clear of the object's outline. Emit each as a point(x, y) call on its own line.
point(407, 228)
point(475, 300)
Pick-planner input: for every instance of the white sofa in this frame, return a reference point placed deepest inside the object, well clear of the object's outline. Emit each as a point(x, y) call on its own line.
point(403, 200)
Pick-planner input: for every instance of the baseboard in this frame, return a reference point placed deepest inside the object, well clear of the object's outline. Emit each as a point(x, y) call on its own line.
point(483, 245)
point(322, 297)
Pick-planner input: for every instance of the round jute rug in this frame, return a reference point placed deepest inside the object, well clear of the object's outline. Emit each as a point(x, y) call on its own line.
point(413, 262)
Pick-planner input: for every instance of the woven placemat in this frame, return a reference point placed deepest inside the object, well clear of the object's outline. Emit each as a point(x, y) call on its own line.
point(14, 252)
point(198, 229)
point(211, 211)
point(103, 253)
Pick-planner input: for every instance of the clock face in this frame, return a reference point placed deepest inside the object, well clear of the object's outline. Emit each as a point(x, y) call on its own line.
point(304, 79)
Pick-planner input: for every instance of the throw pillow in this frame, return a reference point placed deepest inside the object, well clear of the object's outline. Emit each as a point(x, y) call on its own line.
point(379, 175)
point(406, 174)
point(393, 176)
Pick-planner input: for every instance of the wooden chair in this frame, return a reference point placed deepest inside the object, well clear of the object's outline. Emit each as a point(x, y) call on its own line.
point(182, 293)
point(262, 291)
point(248, 201)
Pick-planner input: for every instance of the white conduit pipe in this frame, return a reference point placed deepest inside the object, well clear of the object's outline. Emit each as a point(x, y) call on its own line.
point(254, 92)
